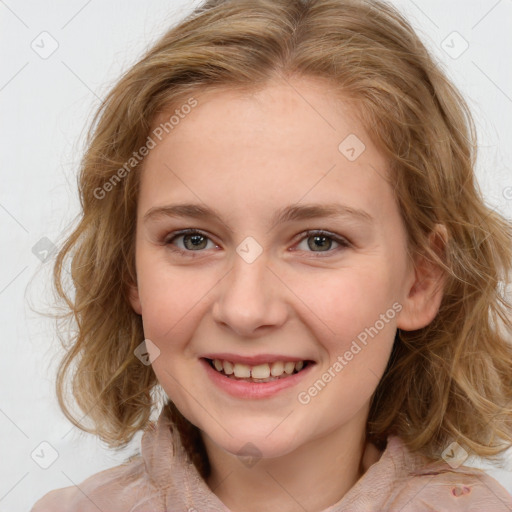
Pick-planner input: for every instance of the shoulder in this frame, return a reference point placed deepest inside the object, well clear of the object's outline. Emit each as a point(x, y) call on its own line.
point(463, 489)
point(112, 489)
point(412, 482)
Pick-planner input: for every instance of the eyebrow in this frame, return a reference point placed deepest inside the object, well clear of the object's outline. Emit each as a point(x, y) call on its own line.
point(287, 214)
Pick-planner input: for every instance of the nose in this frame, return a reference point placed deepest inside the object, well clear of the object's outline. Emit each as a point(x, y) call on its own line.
point(251, 299)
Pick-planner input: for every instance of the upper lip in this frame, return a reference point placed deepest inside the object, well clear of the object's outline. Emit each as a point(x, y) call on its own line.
point(254, 360)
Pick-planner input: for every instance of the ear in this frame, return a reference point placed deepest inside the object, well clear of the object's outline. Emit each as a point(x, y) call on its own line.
point(425, 287)
point(134, 298)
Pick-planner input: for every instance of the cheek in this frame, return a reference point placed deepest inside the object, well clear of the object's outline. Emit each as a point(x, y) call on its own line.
point(360, 311)
point(348, 300)
point(171, 297)
point(359, 308)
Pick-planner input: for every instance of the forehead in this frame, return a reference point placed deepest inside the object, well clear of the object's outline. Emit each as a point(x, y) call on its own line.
point(289, 141)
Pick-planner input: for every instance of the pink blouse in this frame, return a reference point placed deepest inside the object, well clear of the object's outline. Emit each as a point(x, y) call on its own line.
point(161, 479)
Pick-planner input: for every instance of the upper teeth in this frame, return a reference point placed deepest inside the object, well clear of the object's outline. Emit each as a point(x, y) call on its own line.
point(260, 371)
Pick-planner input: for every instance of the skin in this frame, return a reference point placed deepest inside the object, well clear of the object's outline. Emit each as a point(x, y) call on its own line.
point(246, 156)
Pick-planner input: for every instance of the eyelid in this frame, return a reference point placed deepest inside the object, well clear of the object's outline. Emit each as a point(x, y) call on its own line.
point(186, 231)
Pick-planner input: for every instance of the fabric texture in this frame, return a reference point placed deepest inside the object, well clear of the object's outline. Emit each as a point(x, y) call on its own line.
point(162, 479)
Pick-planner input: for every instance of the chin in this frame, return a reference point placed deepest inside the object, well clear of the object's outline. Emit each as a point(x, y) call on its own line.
point(254, 441)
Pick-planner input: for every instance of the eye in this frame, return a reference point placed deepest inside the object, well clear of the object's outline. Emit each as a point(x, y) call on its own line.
point(322, 241)
point(189, 240)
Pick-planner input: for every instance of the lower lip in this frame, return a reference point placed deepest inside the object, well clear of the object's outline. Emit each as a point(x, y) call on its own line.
point(244, 389)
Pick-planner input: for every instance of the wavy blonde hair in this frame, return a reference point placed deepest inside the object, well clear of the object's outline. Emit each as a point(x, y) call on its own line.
point(451, 380)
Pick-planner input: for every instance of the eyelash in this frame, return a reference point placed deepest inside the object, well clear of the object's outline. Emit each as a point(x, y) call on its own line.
point(341, 241)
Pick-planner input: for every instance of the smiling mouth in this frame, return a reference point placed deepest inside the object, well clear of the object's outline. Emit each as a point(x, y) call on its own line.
point(266, 372)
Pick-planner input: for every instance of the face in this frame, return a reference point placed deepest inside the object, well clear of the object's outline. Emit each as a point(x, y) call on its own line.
point(295, 252)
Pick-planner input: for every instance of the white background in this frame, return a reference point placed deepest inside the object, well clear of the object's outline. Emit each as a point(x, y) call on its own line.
point(45, 106)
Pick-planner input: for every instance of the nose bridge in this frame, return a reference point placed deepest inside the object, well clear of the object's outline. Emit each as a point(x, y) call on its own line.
point(250, 297)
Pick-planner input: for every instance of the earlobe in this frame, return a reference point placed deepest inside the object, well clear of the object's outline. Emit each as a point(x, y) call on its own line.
point(426, 287)
point(134, 298)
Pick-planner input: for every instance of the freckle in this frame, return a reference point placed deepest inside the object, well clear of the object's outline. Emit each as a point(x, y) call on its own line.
point(459, 491)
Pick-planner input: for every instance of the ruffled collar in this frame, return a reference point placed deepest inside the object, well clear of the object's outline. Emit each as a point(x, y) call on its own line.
point(171, 471)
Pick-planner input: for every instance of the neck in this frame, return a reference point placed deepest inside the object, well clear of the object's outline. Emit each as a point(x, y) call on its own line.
point(330, 465)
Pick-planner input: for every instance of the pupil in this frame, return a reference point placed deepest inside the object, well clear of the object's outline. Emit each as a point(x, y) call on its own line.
point(196, 240)
point(321, 242)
